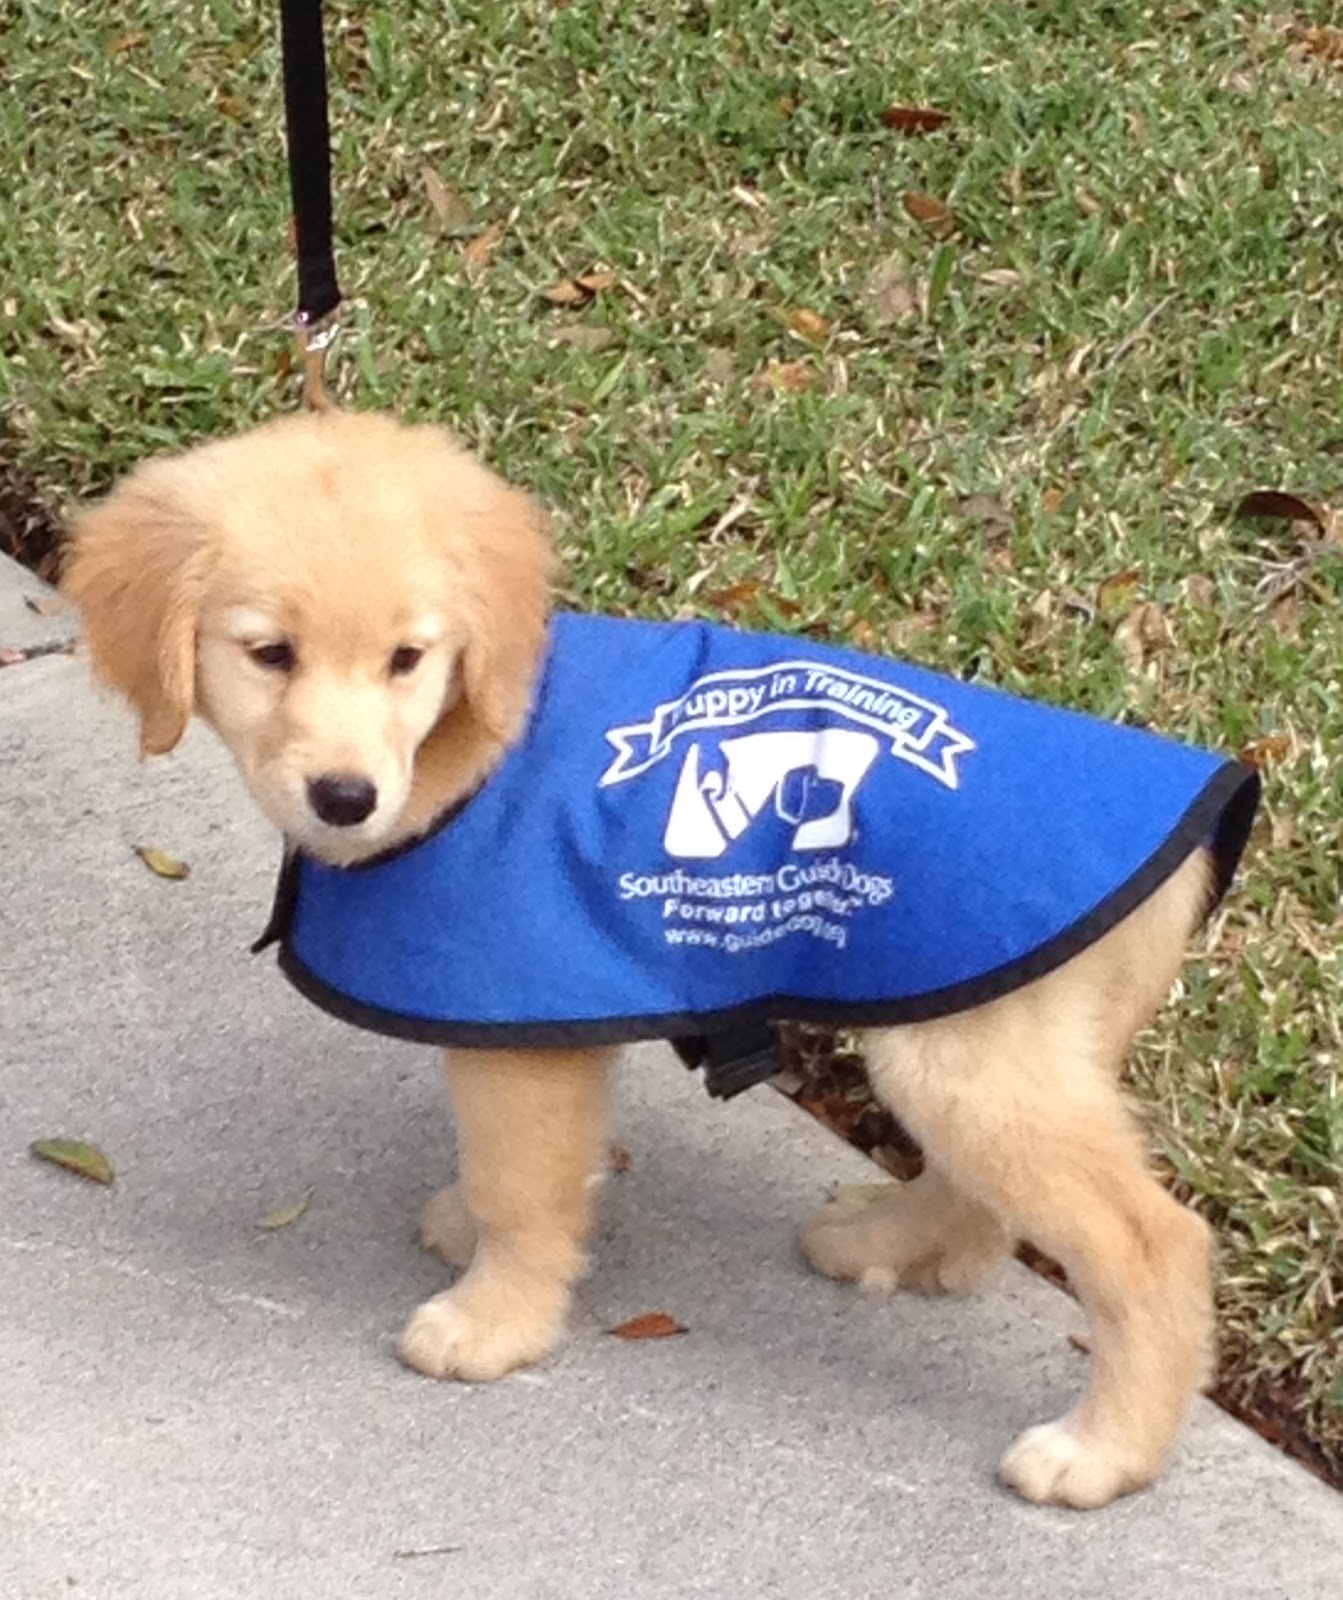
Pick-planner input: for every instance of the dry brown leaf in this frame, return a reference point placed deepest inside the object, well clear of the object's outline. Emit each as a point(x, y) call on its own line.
point(734, 598)
point(1200, 590)
point(618, 1158)
point(480, 251)
point(1115, 595)
point(1259, 753)
point(932, 214)
point(228, 105)
point(719, 365)
point(448, 206)
point(580, 337)
point(1285, 614)
point(1142, 634)
point(863, 634)
point(787, 377)
point(915, 119)
point(1051, 502)
point(161, 863)
point(1322, 42)
point(85, 1160)
point(749, 243)
point(989, 511)
point(1281, 503)
point(568, 292)
point(578, 291)
point(126, 42)
point(894, 299)
point(285, 1216)
point(809, 325)
point(651, 1325)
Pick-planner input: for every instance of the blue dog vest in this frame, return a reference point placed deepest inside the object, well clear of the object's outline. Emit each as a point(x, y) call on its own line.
point(703, 831)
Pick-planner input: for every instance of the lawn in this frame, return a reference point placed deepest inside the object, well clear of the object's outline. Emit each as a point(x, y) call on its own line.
point(987, 394)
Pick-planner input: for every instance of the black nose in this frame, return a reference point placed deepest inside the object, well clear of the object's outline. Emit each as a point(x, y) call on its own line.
point(342, 798)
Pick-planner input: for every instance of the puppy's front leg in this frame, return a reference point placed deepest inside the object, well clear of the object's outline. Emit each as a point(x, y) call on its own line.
point(531, 1133)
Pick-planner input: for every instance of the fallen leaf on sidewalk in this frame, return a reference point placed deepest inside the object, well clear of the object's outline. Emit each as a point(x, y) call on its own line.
point(85, 1160)
point(161, 863)
point(618, 1158)
point(285, 1216)
point(652, 1325)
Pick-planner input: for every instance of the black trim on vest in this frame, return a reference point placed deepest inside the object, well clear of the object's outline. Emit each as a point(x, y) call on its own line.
point(1220, 817)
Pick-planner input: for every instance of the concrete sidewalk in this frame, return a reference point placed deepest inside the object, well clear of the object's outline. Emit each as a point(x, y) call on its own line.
point(190, 1407)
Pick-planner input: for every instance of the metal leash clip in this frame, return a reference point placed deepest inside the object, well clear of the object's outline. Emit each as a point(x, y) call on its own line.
point(315, 338)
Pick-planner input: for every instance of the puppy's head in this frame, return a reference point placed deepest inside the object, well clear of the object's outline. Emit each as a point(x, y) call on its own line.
point(357, 607)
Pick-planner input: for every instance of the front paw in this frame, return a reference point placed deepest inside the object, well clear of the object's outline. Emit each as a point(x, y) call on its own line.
point(485, 1327)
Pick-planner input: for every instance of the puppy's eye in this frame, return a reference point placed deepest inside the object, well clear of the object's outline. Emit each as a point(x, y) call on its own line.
point(277, 657)
point(404, 660)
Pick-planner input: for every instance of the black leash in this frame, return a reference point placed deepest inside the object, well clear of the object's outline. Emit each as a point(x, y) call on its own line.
point(308, 136)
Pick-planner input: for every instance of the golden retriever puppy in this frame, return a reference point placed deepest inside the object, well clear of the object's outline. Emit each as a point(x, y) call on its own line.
point(360, 610)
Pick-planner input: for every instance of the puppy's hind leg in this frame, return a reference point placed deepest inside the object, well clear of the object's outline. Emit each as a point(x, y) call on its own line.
point(1014, 1103)
point(531, 1132)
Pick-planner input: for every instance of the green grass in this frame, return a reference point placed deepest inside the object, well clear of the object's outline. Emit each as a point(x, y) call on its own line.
point(1137, 320)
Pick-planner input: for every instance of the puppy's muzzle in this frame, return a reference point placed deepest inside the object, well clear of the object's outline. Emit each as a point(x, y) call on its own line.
point(342, 799)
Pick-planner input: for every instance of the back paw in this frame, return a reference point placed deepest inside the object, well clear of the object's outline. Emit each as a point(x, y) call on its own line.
point(917, 1235)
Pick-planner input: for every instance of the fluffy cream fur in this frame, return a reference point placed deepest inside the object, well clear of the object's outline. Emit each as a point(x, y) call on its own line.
point(342, 594)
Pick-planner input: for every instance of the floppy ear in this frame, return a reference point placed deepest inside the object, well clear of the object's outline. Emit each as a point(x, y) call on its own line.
point(135, 567)
point(509, 568)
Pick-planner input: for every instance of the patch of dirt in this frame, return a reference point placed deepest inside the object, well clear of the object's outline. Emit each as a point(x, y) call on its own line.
point(825, 1075)
point(30, 530)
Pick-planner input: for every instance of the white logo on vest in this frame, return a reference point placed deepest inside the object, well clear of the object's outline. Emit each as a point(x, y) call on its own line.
point(804, 777)
point(810, 776)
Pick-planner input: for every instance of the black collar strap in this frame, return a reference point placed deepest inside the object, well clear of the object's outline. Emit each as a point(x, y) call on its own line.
point(309, 139)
